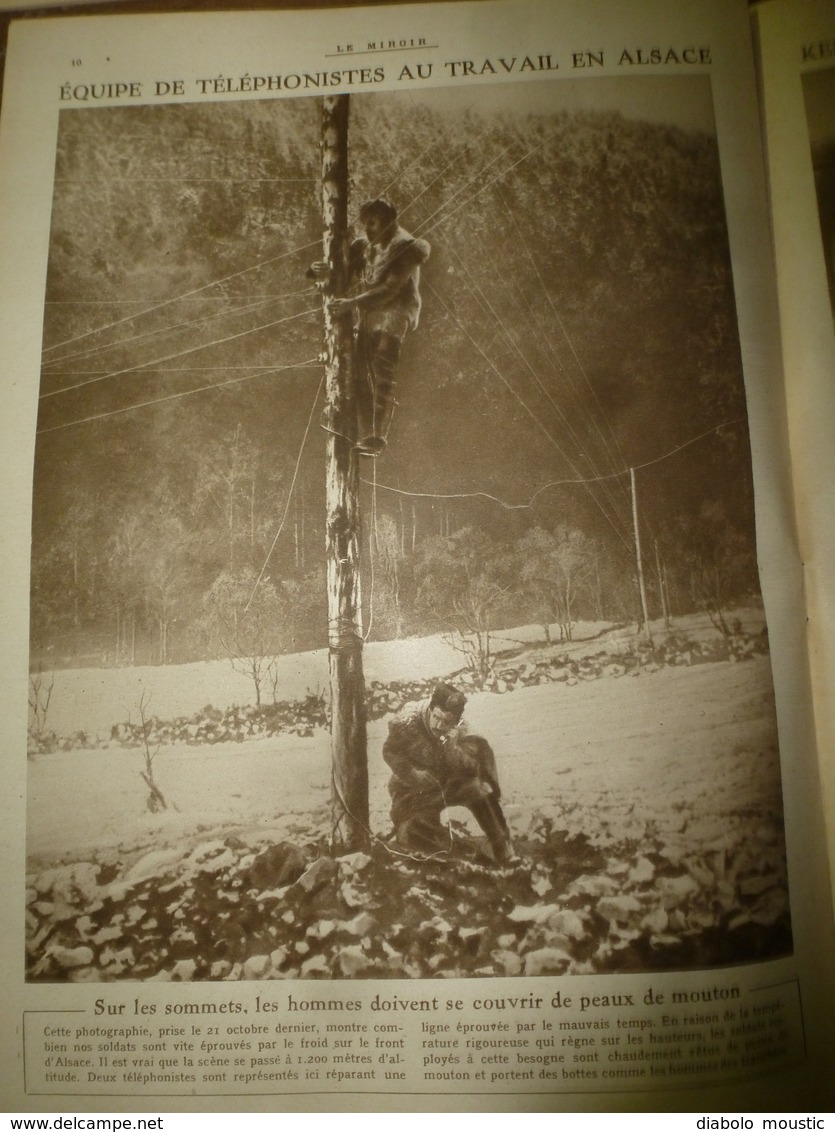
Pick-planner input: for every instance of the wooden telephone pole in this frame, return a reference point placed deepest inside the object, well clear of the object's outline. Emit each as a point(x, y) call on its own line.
point(638, 558)
point(349, 780)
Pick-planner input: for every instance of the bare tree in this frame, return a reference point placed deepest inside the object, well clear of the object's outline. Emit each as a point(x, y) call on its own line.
point(246, 620)
point(156, 799)
point(40, 694)
point(227, 483)
point(553, 566)
point(123, 583)
point(720, 565)
point(464, 581)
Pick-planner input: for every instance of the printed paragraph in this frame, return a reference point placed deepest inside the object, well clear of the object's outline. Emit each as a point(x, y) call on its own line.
point(553, 1040)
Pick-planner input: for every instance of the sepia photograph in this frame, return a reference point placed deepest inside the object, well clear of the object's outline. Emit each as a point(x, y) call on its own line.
point(395, 609)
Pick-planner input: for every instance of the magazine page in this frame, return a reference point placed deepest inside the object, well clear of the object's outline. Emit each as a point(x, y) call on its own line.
point(798, 78)
point(406, 688)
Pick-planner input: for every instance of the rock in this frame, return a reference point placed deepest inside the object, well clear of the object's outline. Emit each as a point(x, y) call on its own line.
point(256, 966)
point(701, 920)
point(268, 896)
point(674, 853)
point(317, 875)
point(616, 868)
point(594, 886)
point(71, 957)
point(85, 975)
point(771, 906)
point(547, 961)
point(184, 970)
point(533, 914)
point(704, 876)
point(151, 864)
point(738, 921)
point(42, 883)
point(223, 860)
point(279, 957)
point(619, 909)
point(725, 895)
point(316, 965)
point(362, 925)
point(621, 938)
point(754, 885)
point(204, 850)
point(569, 924)
point(642, 872)
point(677, 921)
point(353, 895)
point(715, 862)
point(507, 962)
point(677, 890)
point(277, 866)
point(63, 911)
point(656, 921)
point(117, 962)
point(664, 941)
point(541, 884)
point(354, 862)
point(321, 929)
point(437, 926)
point(77, 882)
point(352, 961)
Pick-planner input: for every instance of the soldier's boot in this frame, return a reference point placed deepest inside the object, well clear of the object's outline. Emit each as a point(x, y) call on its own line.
point(422, 834)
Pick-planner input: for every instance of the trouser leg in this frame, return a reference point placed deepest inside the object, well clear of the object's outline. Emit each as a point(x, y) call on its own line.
point(363, 382)
point(377, 404)
point(488, 813)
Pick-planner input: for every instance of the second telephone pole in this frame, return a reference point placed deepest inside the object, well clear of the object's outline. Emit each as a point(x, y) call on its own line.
point(349, 755)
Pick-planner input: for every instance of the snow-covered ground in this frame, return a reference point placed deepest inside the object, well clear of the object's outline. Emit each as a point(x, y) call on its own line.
point(683, 747)
point(644, 801)
point(93, 699)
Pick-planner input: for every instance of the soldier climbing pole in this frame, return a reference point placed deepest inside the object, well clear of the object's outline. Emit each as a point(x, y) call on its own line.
point(349, 781)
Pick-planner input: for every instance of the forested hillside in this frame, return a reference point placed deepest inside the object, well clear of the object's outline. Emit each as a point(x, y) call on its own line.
point(578, 322)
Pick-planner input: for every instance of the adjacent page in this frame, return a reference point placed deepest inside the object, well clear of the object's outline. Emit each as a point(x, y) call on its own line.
point(797, 51)
point(561, 479)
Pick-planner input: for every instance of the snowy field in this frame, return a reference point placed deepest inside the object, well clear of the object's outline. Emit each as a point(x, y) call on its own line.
point(680, 746)
point(93, 699)
point(645, 805)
